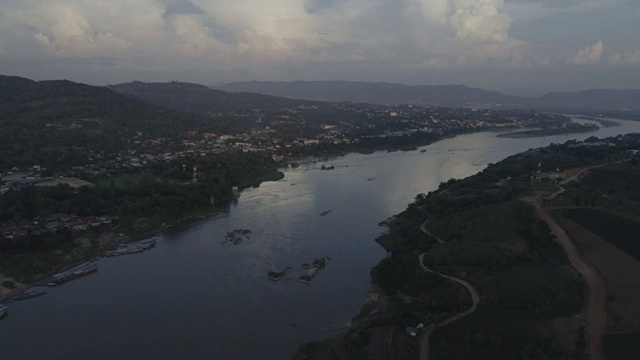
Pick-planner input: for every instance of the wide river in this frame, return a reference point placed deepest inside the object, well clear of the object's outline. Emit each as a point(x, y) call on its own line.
point(194, 297)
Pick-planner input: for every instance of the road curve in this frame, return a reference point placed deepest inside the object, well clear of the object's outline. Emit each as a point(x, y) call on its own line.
point(475, 299)
point(596, 311)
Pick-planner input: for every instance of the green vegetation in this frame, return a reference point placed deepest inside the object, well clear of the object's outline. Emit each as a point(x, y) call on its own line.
point(493, 332)
point(495, 241)
point(140, 204)
point(47, 122)
point(122, 181)
point(618, 180)
point(622, 346)
point(565, 128)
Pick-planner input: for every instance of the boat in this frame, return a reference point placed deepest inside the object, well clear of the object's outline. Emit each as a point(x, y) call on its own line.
point(143, 244)
point(83, 269)
point(124, 251)
point(3, 310)
point(28, 295)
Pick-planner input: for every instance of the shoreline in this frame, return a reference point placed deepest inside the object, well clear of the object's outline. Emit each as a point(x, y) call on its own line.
point(7, 294)
point(541, 133)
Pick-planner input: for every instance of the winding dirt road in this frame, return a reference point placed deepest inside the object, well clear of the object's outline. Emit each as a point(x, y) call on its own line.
point(424, 350)
point(596, 311)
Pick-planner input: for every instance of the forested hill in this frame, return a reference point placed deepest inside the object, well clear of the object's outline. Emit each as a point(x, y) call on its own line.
point(594, 99)
point(194, 98)
point(378, 93)
point(614, 103)
point(44, 121)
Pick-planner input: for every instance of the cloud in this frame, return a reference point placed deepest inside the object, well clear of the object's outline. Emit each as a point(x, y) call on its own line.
point(478, 35)
point(629, 58)
point(259, 33)
point(470, 19)
point(288, 39)
point(88, 28)
point(590, 54)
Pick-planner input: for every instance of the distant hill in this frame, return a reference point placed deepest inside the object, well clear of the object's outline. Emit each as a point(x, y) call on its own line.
point(194, 98)
point(379, 93)
point(594, 99)
point(46, 120)
point(445, 95)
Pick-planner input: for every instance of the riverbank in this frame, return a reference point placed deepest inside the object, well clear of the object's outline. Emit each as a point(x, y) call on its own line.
point(9, 287)
point(494, 243)
point(96, 245)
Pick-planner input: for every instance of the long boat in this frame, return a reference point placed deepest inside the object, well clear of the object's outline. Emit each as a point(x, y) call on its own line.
point(80, 270)
point(143, 244)
point(28, 295)
point(123, 251)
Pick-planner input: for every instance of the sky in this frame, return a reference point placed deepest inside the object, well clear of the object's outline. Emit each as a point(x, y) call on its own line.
point(558, 45)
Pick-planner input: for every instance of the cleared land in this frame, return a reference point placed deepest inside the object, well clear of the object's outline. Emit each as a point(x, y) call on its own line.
point(595, 312)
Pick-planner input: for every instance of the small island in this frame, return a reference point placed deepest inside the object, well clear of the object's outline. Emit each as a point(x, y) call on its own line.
point(277, 275)
point(312, 270)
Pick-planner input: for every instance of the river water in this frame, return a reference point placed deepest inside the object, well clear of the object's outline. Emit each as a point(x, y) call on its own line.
point(194, 297)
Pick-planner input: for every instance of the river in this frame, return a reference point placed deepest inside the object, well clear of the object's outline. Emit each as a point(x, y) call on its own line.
point(194, 297)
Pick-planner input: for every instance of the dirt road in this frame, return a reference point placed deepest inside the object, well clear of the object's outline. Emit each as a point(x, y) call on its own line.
point(424, 349)
point(596, 312)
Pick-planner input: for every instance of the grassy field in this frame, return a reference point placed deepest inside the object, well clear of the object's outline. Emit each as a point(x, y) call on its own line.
point(620, 180)
point(492, 223)
point(123, 181)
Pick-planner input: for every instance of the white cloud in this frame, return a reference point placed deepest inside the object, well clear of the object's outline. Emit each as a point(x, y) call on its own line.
point(590, 54)
point(88, 28)
point(470, 19)
point(630, 58)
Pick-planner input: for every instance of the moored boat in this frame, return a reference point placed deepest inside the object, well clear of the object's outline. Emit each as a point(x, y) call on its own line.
point(3, 310)
point(124, 251)
point(83, 269)
point(28, 295)
point(144, 244)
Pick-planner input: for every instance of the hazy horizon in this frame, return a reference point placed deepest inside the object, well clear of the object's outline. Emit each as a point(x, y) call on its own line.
point(541, 45)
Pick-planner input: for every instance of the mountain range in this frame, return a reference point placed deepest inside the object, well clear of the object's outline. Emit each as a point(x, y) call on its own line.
point(440, 95)
point(56, 116)
point(196, 98)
